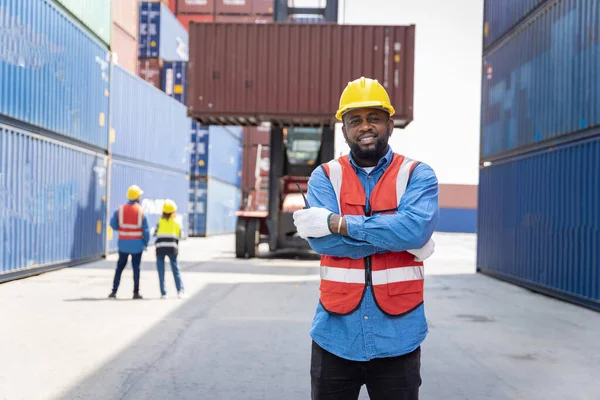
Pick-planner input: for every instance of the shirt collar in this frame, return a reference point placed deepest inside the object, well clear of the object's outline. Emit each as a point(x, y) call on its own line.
point(384, 162)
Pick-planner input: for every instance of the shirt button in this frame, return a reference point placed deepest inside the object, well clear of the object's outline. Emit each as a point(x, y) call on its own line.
point(366, 317)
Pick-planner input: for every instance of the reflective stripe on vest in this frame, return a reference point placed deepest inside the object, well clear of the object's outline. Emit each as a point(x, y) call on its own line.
point(167, 234)
point(396, 278)
point(131, 217)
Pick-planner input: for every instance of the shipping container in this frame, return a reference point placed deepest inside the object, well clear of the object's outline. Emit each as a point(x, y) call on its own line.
point(124, 49)
point(146, 124)
point(174, 80)
point(226, 144)
point(160, 34)
point(245, 19)
point(263, 7)
point(125, 14)
point(500, 16)
point(539, 221)
point(52, 203)
point(254, 136)
point(197, 207)
point(186, 19)
point(158, 185)
point(94, 14)
point(172, 4)
point(542, 85)
point(231, 82)
point(195, 6)
point(233, 6)
point(52, 73)
point(198, 150)
point(150, 71)
point(214, 204)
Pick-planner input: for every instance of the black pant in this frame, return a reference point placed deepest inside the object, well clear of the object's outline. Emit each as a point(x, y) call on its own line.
point(393, 378)
point(136, 260)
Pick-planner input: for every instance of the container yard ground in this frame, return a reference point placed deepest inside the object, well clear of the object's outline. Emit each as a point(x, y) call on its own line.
point(243, 332)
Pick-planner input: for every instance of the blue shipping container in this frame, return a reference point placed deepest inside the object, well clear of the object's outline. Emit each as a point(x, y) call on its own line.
point(52, 73)
point(222, 201)
point(502, 15)
point(197, 207)
point(458, 220)
point(157, 184)
point(160, 34)
point(174, 80)
point(198, 150)
point(539, 221)
point(226, 143)
point(52, 208)
point(544, 83)
point(147, 125)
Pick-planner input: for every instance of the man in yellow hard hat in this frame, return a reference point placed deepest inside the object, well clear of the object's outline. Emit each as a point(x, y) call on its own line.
point(372, 214)
point(132, 226)
point(168, 233)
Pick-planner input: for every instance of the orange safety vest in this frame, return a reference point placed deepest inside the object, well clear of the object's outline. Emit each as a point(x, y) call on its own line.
point(130, 222)
point(395, 277)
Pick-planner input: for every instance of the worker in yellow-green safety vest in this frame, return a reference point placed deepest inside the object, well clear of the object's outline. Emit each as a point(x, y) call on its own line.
point(168, 233)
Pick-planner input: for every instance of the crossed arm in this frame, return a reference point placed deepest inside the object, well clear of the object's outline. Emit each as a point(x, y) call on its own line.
point(361, 236)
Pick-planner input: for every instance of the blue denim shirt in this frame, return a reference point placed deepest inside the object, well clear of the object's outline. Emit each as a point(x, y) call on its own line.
point(368, 333)
point(131, 246)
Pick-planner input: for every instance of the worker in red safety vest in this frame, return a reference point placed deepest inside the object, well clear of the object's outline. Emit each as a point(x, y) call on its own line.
point(132, 227)
point(371, 216)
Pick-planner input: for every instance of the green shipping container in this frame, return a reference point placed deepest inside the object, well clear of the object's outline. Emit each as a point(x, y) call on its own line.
point(94, 14)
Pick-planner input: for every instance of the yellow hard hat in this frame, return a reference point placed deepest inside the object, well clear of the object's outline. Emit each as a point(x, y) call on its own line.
point(169, 207)
point(364, 93)
point(134, 192)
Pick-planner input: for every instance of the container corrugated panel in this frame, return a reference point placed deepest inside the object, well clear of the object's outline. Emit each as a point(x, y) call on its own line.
point(52, 74)
point(52, 208)
point(197, 207)
point(160, 34)
point(544, 83)
point(539, 221)
point(174, 80)
point(147, 125)
point(231, 82)
point(157, 184)
point(198, 150)
point(233, 6)
point(95, 14)
point(195, 6)
point(125, 14)
point(225, 145)
point(222, 201)
point(502, 15)
point(124, 49)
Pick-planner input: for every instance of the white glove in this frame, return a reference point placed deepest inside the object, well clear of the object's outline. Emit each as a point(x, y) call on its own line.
point(424, 252)
point(312, 222)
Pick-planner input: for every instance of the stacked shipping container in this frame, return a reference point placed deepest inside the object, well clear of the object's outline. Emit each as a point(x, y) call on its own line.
point(241, 11)
point(537, 219)
point(54, 88)
point(60, 94)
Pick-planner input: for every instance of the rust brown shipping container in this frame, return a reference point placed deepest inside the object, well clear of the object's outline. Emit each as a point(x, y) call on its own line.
point(185, 19)
point(124, 49)
point(233, 6)
point(149, 70)
point(248, 19)
point(125, 14)
point(195, 6)
point(262, 7)
point(254, 135)
point(458, 196)
point(289, 73)
point(249, 156)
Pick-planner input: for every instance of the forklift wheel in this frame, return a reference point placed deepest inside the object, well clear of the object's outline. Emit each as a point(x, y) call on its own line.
point(252, 237)
point(240, 238)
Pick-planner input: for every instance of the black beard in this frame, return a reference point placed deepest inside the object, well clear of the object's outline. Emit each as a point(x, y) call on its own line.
point(381, 148)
